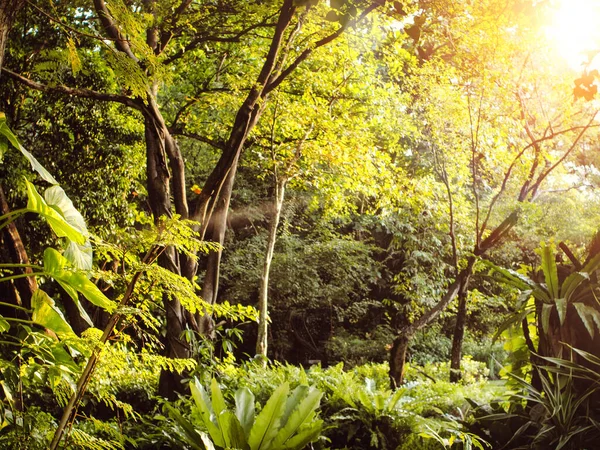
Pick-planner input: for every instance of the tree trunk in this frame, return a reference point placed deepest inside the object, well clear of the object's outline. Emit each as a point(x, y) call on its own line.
point(262, 338)
point(215, 233)
point(22, 289)
point(400, 345)
point(458, 338)
point(160, 151)
point(8, 12)
point(460, 284)
point(398, 358)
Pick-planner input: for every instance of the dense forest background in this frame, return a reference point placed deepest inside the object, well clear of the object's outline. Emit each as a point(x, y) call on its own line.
point(395, 202)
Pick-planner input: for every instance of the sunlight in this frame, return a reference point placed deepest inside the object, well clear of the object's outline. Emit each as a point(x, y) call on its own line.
point(574, 30)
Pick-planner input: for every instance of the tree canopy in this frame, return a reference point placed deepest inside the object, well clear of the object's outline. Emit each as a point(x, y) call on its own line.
point(210, 183)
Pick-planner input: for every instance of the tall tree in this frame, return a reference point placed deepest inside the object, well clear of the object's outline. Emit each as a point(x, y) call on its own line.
point(142, 42)
point(491, 139)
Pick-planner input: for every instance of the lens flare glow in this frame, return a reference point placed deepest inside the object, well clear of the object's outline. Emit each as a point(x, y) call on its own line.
point(575, 30)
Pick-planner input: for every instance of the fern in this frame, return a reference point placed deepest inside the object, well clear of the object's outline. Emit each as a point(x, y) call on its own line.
point(129, 73)
point(82, 440)
point(73, 56)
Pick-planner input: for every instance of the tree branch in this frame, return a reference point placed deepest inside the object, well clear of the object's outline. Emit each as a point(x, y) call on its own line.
point(212, 142)
point(307, 52)
point(543, 175)
point(200, 39)
point(112, 29)
point(75, 92)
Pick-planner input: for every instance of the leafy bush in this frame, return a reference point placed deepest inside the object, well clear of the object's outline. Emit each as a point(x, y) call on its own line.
point(284, 422)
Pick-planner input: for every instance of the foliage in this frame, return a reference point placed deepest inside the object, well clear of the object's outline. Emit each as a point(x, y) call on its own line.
point(560, 415)
point(283, 423)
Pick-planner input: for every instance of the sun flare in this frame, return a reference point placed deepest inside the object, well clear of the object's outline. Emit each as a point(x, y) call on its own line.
point(575, 30)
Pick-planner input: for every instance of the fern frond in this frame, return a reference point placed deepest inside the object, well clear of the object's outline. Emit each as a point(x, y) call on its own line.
point(82, 440)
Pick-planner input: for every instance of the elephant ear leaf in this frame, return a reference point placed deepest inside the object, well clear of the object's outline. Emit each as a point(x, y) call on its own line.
point(46, 314)
point(35, 165)
point(35, 203)
point(267, 423)
point(80, 255)
point(58, 267)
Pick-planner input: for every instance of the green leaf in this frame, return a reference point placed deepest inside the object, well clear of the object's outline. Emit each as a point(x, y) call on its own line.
point(57, 266)
point(191, 436)
point(3, 147)
point(550, 271)
point(293, 401)
point(35, 165)
point(56, 198)
point(218, 402)
point(75, 297)
point(81, 256)
point(307, 434)
point(244, 409)
point(58, 223)
point(586, 317)
point(302, 413)
point(571, 283)
point(4, 325)
point(219, 409)
point(546, 311)
point(203, 402)
point(233, 432)
point(89, 290)
point(47, 315)
point(267, 423)
point(561, 308)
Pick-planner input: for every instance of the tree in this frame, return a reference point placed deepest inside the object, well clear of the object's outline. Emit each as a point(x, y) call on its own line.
point(142, 48)
point(504, 149)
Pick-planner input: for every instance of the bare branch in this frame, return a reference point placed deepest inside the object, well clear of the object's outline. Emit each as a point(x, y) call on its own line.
point(307, 52)
point(166, 35)
point(75, 92)
point(68, 27)
point(202, 38)
point(518, 156)
point(212, 142)
point(543, 175)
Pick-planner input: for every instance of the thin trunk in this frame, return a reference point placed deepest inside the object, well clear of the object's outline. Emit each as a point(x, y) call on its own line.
point(23, 287)
point(460, 284)
point(400, 345)
point(261, 340)
point(458, 338)
point(398, 358)
point(215, 233)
